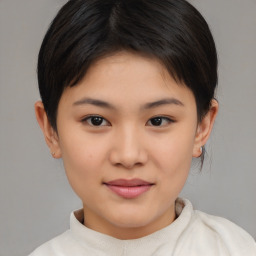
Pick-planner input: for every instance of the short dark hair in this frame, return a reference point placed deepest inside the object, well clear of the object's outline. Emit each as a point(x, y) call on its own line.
point(172, 31)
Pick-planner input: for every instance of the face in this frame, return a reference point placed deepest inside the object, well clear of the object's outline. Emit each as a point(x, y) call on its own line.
point(127, 134)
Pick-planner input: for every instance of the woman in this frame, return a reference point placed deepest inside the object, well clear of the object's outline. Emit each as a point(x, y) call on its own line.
point(127, 92)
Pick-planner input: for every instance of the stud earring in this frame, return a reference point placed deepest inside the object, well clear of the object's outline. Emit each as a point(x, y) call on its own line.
point(53, 153)
point(201, 151)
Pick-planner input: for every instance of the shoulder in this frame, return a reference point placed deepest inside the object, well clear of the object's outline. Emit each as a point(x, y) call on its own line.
point(223, 234)
point(223, 227)
point(205, 234)
point(63, 244)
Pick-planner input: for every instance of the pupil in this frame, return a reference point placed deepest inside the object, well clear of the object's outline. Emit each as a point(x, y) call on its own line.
point(97, 120)
point(157, 121)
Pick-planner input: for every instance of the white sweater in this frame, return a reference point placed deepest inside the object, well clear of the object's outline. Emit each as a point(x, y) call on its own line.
point(193, 233)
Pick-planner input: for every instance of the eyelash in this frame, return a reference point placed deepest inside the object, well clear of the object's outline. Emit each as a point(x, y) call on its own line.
point(86, 120)
point(163, 118)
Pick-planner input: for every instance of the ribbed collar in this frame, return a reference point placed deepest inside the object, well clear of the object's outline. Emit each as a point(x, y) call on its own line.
point(153, 244)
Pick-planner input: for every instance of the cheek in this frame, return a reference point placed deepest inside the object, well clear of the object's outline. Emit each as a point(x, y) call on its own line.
point(173, 151)
point(83, 157)
point(173, 156)
point(175, 163)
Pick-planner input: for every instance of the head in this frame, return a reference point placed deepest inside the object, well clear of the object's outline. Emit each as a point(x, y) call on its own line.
point(127, 92)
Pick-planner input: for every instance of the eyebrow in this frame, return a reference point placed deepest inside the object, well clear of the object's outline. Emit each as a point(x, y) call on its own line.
point(166, 101)
point(95, 102)
point(104, 104)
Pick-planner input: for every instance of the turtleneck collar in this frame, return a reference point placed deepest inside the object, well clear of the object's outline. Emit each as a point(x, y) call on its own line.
point(161, 240)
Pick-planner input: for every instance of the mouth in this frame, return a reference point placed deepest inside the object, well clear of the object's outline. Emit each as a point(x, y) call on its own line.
point(129, 188)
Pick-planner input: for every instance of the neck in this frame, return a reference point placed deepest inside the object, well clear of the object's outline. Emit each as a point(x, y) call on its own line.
point(124, 231)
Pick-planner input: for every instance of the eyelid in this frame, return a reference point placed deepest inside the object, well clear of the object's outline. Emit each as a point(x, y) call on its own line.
point(166, 118)
point(169, 119)
point(86, 118)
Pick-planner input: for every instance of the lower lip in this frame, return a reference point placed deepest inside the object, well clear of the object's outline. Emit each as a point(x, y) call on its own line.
point(129, 192)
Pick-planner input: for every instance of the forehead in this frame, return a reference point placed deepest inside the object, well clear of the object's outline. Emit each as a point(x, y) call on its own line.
point(126, 78)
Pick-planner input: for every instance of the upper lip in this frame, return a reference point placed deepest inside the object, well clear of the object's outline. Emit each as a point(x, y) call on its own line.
point(128, 183)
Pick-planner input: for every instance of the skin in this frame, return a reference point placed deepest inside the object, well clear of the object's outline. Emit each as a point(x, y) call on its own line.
point(127, 144)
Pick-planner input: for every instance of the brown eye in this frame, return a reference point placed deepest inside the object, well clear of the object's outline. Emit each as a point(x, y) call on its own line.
point(96, 121)
point(156, 121)
point(159, 121)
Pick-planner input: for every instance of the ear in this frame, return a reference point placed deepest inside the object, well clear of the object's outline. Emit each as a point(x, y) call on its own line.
point(204, 128)
point(50, 135)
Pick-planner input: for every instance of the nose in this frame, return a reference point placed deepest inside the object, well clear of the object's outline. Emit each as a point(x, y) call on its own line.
point(128, 149)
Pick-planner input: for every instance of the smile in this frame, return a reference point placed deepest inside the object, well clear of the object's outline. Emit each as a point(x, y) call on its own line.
point(129, 188)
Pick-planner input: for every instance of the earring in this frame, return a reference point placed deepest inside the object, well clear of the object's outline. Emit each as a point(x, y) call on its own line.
point(53, 154)
point(201, 151)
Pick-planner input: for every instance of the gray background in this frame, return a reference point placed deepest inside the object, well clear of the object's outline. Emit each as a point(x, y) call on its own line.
point(35, 198)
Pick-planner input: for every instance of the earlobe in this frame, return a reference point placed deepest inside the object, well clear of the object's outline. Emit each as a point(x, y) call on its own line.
point(204, 128)
point(50, 134)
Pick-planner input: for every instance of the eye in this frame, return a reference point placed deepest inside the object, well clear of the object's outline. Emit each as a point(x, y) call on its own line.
point(96, 121)
point(159, 121)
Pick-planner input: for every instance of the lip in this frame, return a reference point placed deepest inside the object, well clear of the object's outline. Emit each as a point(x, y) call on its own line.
point(129, 188)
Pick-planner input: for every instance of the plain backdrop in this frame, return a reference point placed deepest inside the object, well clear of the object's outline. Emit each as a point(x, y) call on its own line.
point(35, 197)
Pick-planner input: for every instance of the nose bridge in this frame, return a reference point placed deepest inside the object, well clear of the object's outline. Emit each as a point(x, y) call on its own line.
point(129, 138)
point(129, 150)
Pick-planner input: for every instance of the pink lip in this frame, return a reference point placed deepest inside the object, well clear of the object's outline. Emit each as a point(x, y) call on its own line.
point(129, 188)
